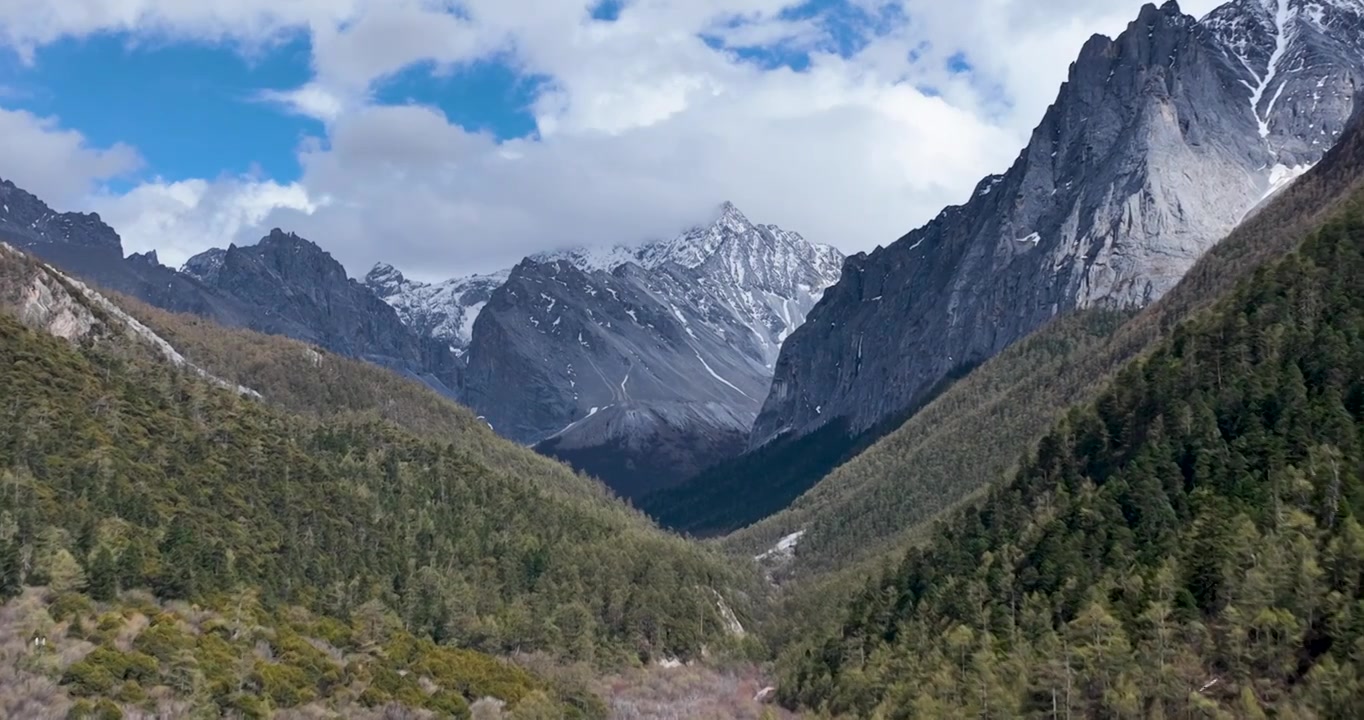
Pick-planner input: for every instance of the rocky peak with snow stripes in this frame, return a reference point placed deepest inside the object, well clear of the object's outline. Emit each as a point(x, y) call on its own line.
point(1160, 142)
point(767, 277)
point(1297, 63)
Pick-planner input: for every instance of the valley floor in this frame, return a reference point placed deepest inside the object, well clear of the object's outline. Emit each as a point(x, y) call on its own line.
point(690, 692)
point(54, 666)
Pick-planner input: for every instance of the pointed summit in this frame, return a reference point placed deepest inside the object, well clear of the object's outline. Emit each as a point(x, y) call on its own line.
point(731, 217)
point(385, 279)
point(205, 266)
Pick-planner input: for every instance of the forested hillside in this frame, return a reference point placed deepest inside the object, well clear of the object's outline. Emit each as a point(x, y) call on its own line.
point(310, 381)
point(1189, 544)
point(121, 472)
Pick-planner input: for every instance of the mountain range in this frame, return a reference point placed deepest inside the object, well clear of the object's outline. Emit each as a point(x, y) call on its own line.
point(1087, 445)
point(639, 365)
point(1159, 143)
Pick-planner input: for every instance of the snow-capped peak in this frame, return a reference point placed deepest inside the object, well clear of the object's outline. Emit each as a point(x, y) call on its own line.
point(768, 278)
point(385, 280)
point(689, 249)
point(1289, 55)
point(445, 311)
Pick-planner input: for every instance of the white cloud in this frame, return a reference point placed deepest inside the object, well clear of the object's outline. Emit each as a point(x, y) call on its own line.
point(28, 24)
point(56, 164)
point(311, 100)
point(643, 127)
point(174, 218)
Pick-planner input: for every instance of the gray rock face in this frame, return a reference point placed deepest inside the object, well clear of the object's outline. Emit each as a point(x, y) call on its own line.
point(444, 311)
point(289, 286)
point(83, 245)
point(643, 365)
point(1159, 143)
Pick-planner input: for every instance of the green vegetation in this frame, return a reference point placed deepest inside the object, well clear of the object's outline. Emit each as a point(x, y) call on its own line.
point(880, 498)
point(309, 381)
point(244, 660)
point(376, 511)
point(1188, 544)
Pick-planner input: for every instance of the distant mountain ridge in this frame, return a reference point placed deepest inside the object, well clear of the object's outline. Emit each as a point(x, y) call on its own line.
point(642, 365)
point(284, 285)
point(296, 289)
point(638, 364)
point(445, 311)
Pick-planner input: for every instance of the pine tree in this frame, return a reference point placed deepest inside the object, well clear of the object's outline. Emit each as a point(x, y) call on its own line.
point(131, 567)
point(64, 573)
point(103, 584)
point(11, 569)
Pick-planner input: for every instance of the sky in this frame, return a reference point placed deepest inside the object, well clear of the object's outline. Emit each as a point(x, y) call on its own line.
point(451, 137)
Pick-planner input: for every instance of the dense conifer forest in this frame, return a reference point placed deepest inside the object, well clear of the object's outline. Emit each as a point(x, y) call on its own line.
point(127, 484)
point(1187, 545)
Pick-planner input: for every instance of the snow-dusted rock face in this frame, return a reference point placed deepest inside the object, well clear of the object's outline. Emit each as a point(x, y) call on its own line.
point(1159, 143)
point(445, 311)
point(643, 365)
point(767, 277)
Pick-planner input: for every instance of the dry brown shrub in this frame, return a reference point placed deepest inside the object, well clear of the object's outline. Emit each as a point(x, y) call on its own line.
point(132, 627)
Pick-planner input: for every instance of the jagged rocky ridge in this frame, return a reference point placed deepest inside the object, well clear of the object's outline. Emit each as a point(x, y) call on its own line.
point(296, 289)
point(1159, 143)
point(639, 365)
point(83, 245)
point(284, 285)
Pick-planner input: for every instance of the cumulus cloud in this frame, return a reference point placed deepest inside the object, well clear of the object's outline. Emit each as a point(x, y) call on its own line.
point(860, 162)
point(173, 218)
point(644, 124)
point(57, 164)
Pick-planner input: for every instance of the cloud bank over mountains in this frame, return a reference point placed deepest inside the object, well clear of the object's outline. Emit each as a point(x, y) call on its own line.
point(851, 121)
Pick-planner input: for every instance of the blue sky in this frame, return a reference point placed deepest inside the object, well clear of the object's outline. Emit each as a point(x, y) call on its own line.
point(452, 137)
point(194, 109)
point(190, 109)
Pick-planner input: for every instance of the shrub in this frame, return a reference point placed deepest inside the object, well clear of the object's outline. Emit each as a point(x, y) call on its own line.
point(69, 605)
point(163, 641)
point(102, 710)
point(104, 668)
point(286, 685)
point(449, 703)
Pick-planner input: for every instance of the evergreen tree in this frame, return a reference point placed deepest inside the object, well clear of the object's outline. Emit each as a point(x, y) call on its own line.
point(103, 581)
point(11, 569)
